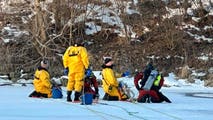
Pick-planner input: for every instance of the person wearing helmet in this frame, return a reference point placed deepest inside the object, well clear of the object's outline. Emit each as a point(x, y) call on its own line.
point(41, 82)
point(91, 84)
point(76, 62)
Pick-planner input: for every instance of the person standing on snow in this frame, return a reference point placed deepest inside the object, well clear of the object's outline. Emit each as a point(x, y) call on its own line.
point(110, 83)
point(41, 82)
point(76, 62)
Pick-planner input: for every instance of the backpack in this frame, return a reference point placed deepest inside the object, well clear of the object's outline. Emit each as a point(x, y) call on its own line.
point(56, 92)
point(150, 80)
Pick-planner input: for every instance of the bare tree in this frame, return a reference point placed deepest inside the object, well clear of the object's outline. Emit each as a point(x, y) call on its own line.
point(38, 31)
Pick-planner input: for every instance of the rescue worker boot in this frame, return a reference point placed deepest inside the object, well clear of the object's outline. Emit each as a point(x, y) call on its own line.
point(106, 96)
point(143, 99)
point(77, 96)
point(166, 99)
point(113, 98)
point(69, 96)
point(163, 97)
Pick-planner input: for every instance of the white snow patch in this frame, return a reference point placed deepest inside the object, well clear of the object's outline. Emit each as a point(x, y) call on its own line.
point(173, 12)
point(196, 19)
point(3, 81)
point(130, 11)
point(10, 32)
point(24, 81)
point(92, 28)
point(190, 11)
point(205, 58)
point(208, 27)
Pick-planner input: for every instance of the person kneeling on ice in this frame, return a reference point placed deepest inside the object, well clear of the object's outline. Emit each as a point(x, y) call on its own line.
point(41, 82)
point(110, 83)
point(89, 82)
point(150, 84)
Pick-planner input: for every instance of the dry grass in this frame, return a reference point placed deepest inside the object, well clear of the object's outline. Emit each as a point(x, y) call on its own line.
point(163, 40)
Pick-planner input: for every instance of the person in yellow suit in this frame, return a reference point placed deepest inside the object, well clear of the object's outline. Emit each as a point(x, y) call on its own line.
point(41, 82)
point(110, 83)
point(76, 62)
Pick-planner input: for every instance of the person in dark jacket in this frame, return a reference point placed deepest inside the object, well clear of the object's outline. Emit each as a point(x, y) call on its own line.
point(153, 95)
point(146, 73)
point(91, 85)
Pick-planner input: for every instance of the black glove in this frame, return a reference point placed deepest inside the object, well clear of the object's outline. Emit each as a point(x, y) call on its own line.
point(110, 88)
point(96, 90)
point(53, 83)
point(142, 82)
point(97, 96)
point(137, 87)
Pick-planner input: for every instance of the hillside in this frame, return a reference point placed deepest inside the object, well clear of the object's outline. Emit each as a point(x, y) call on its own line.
point(187, 103)
point(175, 35)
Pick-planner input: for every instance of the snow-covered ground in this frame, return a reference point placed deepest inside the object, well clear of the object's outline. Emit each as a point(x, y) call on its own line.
point(16, 105)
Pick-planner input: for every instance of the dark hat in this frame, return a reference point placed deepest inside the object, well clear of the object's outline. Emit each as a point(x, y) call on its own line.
point(44, 61)
point(107, 59)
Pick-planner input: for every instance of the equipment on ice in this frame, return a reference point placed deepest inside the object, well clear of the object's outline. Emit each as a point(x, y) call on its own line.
point(87, 99)
point(57, 92)
point(150, 80)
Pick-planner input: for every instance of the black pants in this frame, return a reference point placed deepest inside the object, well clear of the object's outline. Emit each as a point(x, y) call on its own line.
point(110, 98)
point(163, 97)
point(38, 94)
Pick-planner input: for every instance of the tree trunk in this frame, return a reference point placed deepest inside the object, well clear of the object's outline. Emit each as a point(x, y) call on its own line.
point(57, 16)
point(39, 32)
